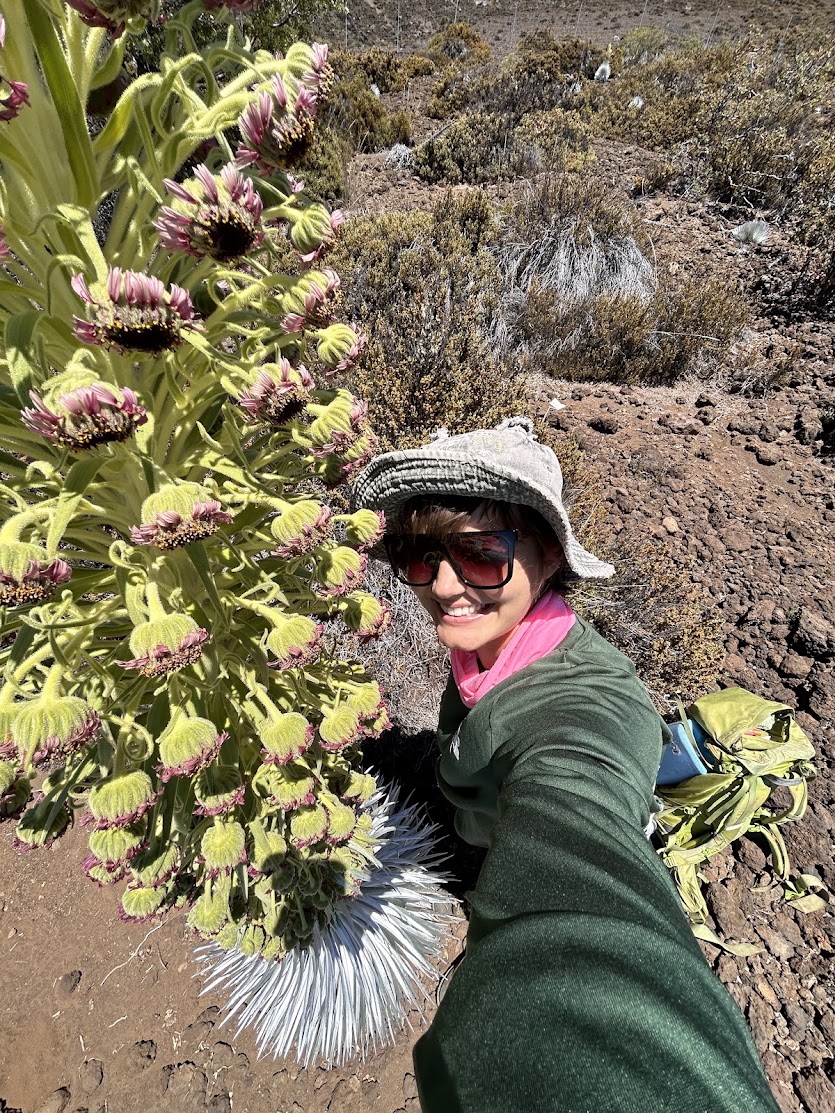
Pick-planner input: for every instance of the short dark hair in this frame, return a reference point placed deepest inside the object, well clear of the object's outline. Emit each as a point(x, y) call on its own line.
point(442, 515)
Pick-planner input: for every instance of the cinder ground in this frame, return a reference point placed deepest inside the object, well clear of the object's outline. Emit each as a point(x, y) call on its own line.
point(100, 1016)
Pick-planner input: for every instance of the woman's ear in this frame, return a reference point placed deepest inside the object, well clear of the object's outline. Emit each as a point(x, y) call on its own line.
point(553, 559)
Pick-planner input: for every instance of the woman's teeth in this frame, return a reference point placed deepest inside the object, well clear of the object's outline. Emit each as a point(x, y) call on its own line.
point(460, 612)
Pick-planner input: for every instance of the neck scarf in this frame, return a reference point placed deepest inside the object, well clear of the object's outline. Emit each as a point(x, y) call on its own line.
point(540, 631)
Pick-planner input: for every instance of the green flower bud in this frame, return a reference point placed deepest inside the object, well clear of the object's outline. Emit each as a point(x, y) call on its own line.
point(122, 800)
point(340, 570)
point(360, 787)
point(287, 787)
point(294, 639)
point(177, 497)
point(140, 903)
point(51, 726)
point(340, 727)
point(218, 790)
point(210, 912)
point(187, 745)
point(285, 738)
point(346, 872)
point(274, 949)
point(223, 847)
point(309, 825)
point(300, 527)
point(311, 229)
point(155, 866)
point(339, 346)
point(341, 819)
point(114, 846)
point(101, 874)
point(333, 416)
point(14, 789)
point(36, 828)
point(365, 699)
point(364, 528)
point(366, 616)
point(252, 940)
point(269, 851)
point(178, 514)
point(227, 937)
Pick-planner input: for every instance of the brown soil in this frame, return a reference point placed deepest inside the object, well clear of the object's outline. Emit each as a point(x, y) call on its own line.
point(96, 1015)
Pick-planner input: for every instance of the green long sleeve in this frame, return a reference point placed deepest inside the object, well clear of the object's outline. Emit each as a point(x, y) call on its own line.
point(583, 989)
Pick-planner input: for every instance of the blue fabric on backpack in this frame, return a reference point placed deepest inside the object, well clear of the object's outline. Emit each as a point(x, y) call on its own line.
point(679, 759)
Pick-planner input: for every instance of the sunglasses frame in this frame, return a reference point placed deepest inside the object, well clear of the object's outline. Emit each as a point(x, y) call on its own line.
point(510, 536)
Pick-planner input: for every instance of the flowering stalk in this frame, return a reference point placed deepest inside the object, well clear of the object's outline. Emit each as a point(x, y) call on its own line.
point(166, 576)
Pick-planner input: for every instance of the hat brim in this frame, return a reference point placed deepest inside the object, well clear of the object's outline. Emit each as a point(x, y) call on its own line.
point(395, 477)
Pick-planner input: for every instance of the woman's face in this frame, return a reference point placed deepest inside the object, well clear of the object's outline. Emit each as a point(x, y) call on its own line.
point(479, 619)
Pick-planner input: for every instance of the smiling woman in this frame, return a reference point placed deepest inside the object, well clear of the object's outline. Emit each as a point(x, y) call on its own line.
point(580, 963)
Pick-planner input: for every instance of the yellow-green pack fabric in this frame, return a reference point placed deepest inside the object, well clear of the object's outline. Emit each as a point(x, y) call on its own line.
point(756, 747)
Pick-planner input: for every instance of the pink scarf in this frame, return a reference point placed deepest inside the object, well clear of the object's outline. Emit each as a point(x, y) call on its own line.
point(540, 631)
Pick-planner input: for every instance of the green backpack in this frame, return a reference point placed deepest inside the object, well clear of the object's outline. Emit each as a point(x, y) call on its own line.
point(750, 747)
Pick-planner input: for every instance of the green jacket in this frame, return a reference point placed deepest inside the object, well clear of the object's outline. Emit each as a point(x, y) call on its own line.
point(583, 989)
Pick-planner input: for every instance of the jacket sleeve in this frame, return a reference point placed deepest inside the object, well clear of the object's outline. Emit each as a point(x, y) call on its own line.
point(582, 988)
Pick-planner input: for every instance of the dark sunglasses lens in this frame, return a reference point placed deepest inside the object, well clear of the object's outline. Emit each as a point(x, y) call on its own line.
point(484, 558)
point(414, 561)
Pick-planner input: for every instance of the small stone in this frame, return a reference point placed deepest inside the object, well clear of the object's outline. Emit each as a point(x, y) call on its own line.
point(604, 423)
point(220, 1103)
point(670, 524)
point(141, 1054)
point(90, 1075)
point(223, 1055)
point(795, 667)
point(814, 636)
point(409, 1085)
point(816, 1092)
point(57, 1102)
point(768, 454)
point(68, 983)
point(705, 400)
point(737, 540)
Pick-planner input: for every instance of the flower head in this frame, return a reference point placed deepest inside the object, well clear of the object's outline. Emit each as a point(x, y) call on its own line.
point(166, 645)
point(27, 575)
point(13, 95)
point(218, 215)
point(340, 570)
point(295, 639)
point(122, 800)
point(277, 393)
point(320, 77)
point(14, 789)
point(140, 904)
point(223, 847)
point(277, 128)
point(340, 346)
point(366, 616)
point(210, 912)
point(311, 305)
point(79, 412)
point(40, 825)
point(285, 737)
point(218, 789)
point(114, 847)
point(188, 745)
point(138, 313)
point(155, 866)
point(287, 787)
point(301, 527)
point(309, 825)
point(314, 230)
point(178, 514)
point(340, 727)
point(342, 819)
point(364, 528)
point(53, 726)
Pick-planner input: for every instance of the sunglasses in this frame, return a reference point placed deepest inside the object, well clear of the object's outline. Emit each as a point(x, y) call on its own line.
point(482, 558)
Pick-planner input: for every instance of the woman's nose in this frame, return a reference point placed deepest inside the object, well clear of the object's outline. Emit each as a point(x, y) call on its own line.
point(447, 582)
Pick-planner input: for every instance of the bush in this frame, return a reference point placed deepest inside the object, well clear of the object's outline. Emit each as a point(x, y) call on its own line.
point(484, 147)
point(360, 117)
point(323, 167)
point(389, 71)
point(583, 302)
point(459, 43)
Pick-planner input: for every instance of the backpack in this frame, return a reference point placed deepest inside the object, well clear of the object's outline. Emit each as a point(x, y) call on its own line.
point(730, 751)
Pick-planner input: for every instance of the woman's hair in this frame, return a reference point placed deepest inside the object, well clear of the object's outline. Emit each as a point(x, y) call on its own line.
point(442, 515)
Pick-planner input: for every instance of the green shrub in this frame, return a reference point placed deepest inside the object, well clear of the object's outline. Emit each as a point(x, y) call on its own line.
point(388, 70)
point(361, 118)
point(323, 167)
point(458, 43)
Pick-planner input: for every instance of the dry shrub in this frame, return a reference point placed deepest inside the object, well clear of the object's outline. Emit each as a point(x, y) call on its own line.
point(323, 167)
point(659, 617)
point(583, 302)
point(484, 147)
point(458, 43)
point(390, 71)
point(360, 117)
point(541, 75)
point(425, 288)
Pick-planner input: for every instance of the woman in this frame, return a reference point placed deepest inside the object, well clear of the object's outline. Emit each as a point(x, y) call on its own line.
point(582, 987)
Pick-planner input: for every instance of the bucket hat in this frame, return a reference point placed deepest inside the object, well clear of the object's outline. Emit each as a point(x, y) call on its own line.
point(506, 463)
